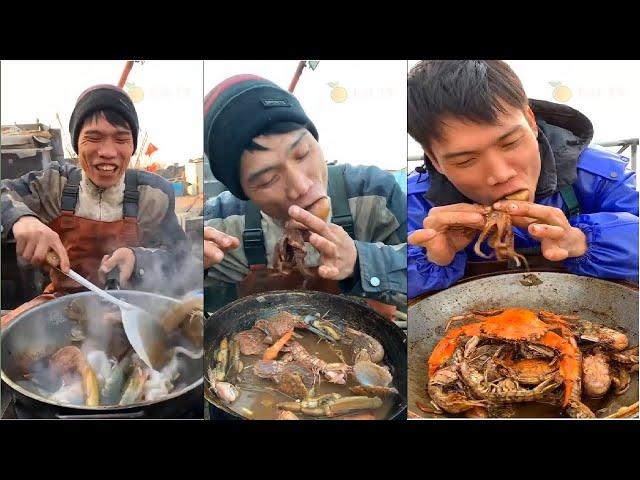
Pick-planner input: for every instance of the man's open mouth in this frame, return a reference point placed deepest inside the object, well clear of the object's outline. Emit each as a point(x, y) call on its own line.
point(106, 167)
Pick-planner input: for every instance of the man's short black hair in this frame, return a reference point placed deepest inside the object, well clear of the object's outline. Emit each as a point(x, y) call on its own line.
point(473, 90)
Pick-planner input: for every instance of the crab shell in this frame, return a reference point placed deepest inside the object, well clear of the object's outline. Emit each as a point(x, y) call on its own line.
point(516, 325)
point(295, 237)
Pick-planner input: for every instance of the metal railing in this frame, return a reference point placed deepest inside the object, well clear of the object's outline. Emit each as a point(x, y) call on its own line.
point(631, 143)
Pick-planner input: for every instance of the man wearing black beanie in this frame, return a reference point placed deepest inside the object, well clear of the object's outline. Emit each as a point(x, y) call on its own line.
point(101, 215)
point(262, 146)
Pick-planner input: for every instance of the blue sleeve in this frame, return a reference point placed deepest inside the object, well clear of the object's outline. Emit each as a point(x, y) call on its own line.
point(612, 233)
point(386, 264)
point(423, 275)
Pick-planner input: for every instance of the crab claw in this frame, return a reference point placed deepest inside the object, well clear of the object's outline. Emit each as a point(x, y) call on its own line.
point(569, 364)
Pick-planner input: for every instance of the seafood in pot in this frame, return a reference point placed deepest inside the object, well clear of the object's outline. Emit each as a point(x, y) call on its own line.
point(294, 366)
point(186, 317)
point(370, 374)
point(71, 394)
point(160, 383)
point(217, 376)
point(100, 363)
point(596, 375)
point(276, 326)
point(515, 355)
point(446, 390)
point(134, 387)
point(373, 390)
point(111, 392)
point(293, 379)
point(333, 372)
point(287, 415)
point(252, 342)
point(69, 360)
point(225, 391)
point(331, 405)
point(514, 325)
point(364, 346)
point(527, 371)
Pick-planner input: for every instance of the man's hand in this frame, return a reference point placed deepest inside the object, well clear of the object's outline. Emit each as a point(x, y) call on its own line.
point(447, 230)
point(216, 244)
point(34, 239)
point(124, 258)
point(549, 225)
point(338, 253)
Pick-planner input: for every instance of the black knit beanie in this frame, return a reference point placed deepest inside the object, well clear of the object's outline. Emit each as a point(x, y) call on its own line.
point(235, 112)
point(103, 97)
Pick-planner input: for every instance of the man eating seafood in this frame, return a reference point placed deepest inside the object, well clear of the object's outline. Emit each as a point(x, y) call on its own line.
point(289, 220)
point(510, 178)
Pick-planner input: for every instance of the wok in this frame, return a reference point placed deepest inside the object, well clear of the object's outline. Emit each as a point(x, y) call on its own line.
point(595, 300)
point(41, 331)
point(244, 312)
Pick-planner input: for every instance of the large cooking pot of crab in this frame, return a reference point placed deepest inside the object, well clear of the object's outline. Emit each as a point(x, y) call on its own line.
point(70, 358)
point(293, 355)
point(525, 345)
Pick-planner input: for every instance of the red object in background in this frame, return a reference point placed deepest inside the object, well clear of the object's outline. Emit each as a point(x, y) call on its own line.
point(125, 73)
point(296, 76)
point(154, 167)
point(150, 149)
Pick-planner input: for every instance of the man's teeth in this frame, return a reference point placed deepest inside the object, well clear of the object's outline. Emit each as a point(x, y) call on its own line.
point(107, 168)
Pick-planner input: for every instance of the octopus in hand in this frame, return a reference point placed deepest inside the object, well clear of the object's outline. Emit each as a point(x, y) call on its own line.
point(290, 250)
point(498, 230)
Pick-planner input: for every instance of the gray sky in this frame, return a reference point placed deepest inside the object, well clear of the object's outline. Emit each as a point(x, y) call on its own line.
point(171, 111)
point(368, 128)
point(606, 91)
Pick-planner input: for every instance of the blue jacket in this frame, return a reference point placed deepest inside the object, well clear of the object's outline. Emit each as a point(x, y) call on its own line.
point(605, 191)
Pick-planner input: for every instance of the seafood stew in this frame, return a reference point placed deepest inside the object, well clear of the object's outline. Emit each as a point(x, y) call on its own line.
point(288, 364)
point(582, 299)
point(504, 357)
point(72, 352)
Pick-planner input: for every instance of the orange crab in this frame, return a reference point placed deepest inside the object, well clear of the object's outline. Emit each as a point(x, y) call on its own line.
point(515, 324)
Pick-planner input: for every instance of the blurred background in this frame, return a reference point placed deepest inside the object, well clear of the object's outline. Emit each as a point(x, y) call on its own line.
point(606, 91)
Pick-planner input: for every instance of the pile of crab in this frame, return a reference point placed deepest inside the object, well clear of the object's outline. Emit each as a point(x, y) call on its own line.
point(270, 350)
point(499, 358)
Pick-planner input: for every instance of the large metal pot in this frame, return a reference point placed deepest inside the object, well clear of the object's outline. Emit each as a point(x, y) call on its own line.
point(594, 300)
point(244, 312)
point(44, 329)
